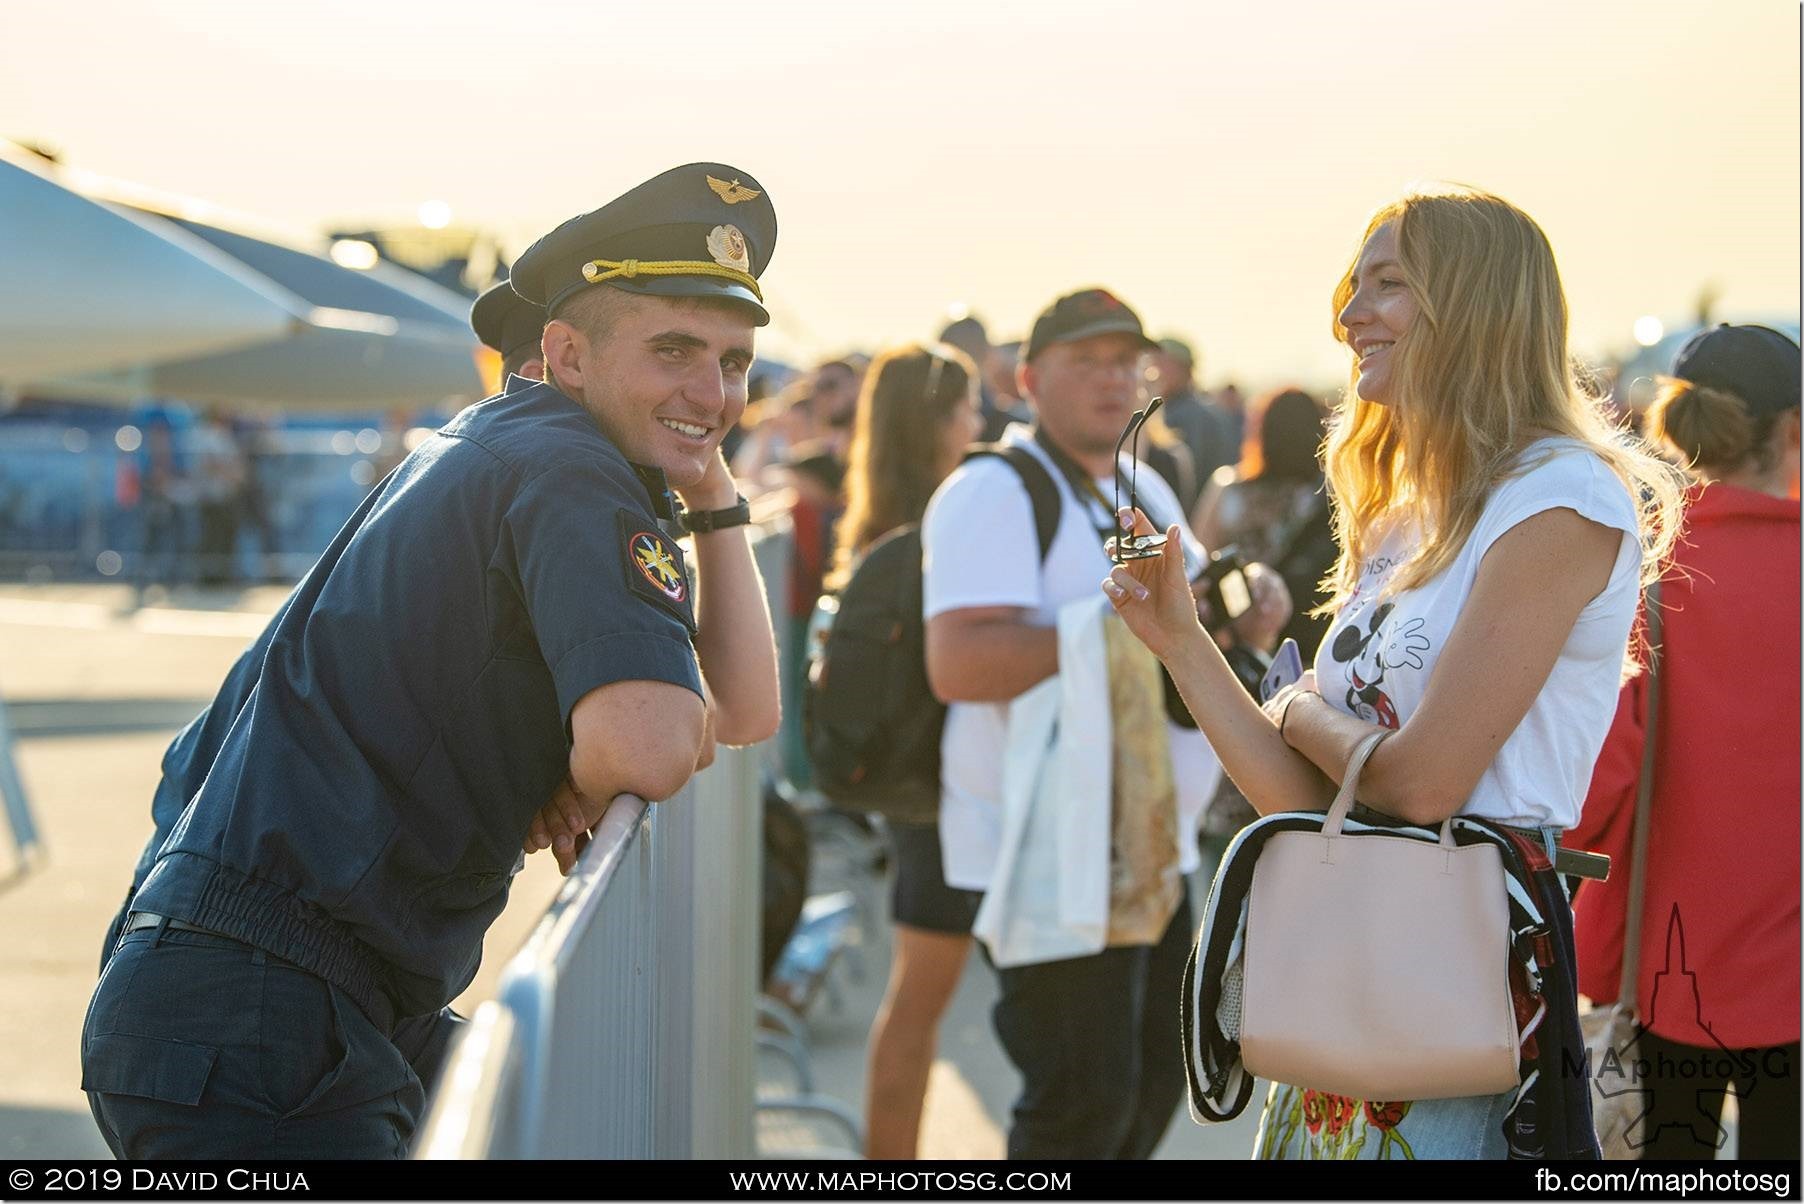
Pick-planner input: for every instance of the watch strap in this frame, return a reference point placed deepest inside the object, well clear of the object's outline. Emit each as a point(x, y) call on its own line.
point(700, 522)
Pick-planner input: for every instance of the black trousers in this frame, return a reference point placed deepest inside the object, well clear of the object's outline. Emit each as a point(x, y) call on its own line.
point(199, 1047)
point(1686, 1086)
point(1097, 1043)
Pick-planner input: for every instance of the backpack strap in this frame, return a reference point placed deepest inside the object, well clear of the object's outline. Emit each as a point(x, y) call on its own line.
point(1042, 491)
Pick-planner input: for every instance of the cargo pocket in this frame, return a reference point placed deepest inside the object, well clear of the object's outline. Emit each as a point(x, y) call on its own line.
point(174, 1072)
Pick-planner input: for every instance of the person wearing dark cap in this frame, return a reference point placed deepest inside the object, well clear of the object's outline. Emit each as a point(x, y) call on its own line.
point(969, 336)
point(1092, 1035)
point(500, 624)
point(1722, 851)
point(512, 327)
point(1205, 430)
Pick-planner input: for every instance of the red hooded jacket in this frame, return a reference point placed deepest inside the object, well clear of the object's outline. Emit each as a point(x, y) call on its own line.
point(1719, 948)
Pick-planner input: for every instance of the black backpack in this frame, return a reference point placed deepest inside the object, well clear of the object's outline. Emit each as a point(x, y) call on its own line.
point(869, 718)
point(787, 855)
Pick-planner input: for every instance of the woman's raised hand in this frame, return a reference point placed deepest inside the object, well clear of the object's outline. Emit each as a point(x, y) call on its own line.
point(1153, 595)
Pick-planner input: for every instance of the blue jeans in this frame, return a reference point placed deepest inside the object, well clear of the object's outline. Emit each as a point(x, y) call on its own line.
point(199, 1047)
point(1097, 1043)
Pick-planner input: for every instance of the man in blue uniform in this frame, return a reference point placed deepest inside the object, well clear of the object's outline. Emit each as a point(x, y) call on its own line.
point(511, 326)
point(501, 623)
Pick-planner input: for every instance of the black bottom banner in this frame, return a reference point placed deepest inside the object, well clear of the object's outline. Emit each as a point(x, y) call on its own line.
point(899, 1181)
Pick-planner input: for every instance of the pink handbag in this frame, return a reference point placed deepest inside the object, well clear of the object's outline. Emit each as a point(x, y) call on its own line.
point(1377, 966)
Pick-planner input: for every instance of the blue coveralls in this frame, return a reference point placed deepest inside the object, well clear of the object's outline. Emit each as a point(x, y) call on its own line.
point(357, 831)
point(424, 1040)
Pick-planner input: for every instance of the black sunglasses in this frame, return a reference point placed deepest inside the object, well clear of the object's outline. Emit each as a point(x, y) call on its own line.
point(1123, 548)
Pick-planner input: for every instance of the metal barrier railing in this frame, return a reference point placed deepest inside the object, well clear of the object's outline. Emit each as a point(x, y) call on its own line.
point(624, 1026)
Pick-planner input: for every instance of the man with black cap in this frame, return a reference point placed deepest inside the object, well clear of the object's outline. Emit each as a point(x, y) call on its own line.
point(513, 328)
point(1206, 431)
point(969, 336)
point(502, 622)
point(1094, 1037)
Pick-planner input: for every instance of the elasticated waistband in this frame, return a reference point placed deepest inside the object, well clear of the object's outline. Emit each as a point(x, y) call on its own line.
point(222, 900)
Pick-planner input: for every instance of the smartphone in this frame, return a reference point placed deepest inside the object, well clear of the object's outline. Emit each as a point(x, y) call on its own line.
point(1287, 666)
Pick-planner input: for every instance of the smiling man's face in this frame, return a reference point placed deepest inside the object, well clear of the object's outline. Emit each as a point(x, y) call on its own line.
point(665, 378)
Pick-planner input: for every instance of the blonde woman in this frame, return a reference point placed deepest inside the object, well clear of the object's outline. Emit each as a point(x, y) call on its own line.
point(917, 413)
point(1495, 530)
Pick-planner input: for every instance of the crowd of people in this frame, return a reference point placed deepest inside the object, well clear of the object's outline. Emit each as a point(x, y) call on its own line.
point(1458, 546)
point(1451, 521)
point(193, 495)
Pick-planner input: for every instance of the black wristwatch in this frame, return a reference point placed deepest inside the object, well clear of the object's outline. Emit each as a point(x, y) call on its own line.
point(700, 522)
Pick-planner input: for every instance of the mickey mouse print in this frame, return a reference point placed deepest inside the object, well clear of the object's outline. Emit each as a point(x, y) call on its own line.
point(1374, 662)
point(1369, 653)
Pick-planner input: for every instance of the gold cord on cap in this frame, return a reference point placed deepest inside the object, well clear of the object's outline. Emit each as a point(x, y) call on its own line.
point(598, 270)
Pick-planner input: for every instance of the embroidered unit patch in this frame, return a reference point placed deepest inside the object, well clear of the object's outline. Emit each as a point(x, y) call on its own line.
point(654, 566)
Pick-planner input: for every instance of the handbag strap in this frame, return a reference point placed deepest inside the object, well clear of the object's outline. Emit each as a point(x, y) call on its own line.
point(1644, 798)
point(1349, 784)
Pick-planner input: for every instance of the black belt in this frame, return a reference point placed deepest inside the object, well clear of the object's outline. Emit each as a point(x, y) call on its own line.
point(1573, 863)
point(139, 920)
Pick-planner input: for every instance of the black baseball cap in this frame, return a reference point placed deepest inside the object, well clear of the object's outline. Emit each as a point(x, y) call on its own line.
point(1081, 315)
point(1756, 364)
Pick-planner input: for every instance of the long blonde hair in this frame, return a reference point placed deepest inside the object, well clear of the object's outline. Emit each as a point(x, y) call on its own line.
point(893, 465)
point(1482, 371)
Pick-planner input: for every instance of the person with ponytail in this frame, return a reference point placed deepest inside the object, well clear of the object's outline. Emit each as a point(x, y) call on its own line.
point(916, 415)
point(1495, 529)
point(1721, 895)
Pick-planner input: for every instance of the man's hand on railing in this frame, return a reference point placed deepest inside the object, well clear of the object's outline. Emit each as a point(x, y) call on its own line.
point(562, 825)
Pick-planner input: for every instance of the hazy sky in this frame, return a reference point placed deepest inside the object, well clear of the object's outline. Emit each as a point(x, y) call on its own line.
point(1212, 162)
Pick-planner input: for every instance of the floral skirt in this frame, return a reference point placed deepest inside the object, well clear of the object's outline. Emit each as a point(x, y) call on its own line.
point(1300, 1123)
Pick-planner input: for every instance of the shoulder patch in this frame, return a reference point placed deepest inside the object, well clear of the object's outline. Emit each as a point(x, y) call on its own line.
point(654, 567)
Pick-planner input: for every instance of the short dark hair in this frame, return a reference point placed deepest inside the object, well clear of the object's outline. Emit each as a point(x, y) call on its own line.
point(594, 310)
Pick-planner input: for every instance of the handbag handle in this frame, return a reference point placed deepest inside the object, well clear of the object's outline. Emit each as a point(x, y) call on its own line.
point(1349, 783)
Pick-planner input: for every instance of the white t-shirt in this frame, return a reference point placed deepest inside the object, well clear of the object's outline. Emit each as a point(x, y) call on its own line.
point(1378, 655)
point(979, 549)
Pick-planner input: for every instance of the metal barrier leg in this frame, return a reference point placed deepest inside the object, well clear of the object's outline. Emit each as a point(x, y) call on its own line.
point(796, 1054)
point(12, 790)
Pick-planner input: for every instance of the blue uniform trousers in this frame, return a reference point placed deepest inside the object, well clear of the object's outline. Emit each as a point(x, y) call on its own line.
point(197, 1046)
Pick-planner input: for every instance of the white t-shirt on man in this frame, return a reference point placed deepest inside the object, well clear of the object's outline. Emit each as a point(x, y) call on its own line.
point(1377, 657)
point(979, 549)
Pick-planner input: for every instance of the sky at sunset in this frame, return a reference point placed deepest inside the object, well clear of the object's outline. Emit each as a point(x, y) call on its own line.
point(1214, 163)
